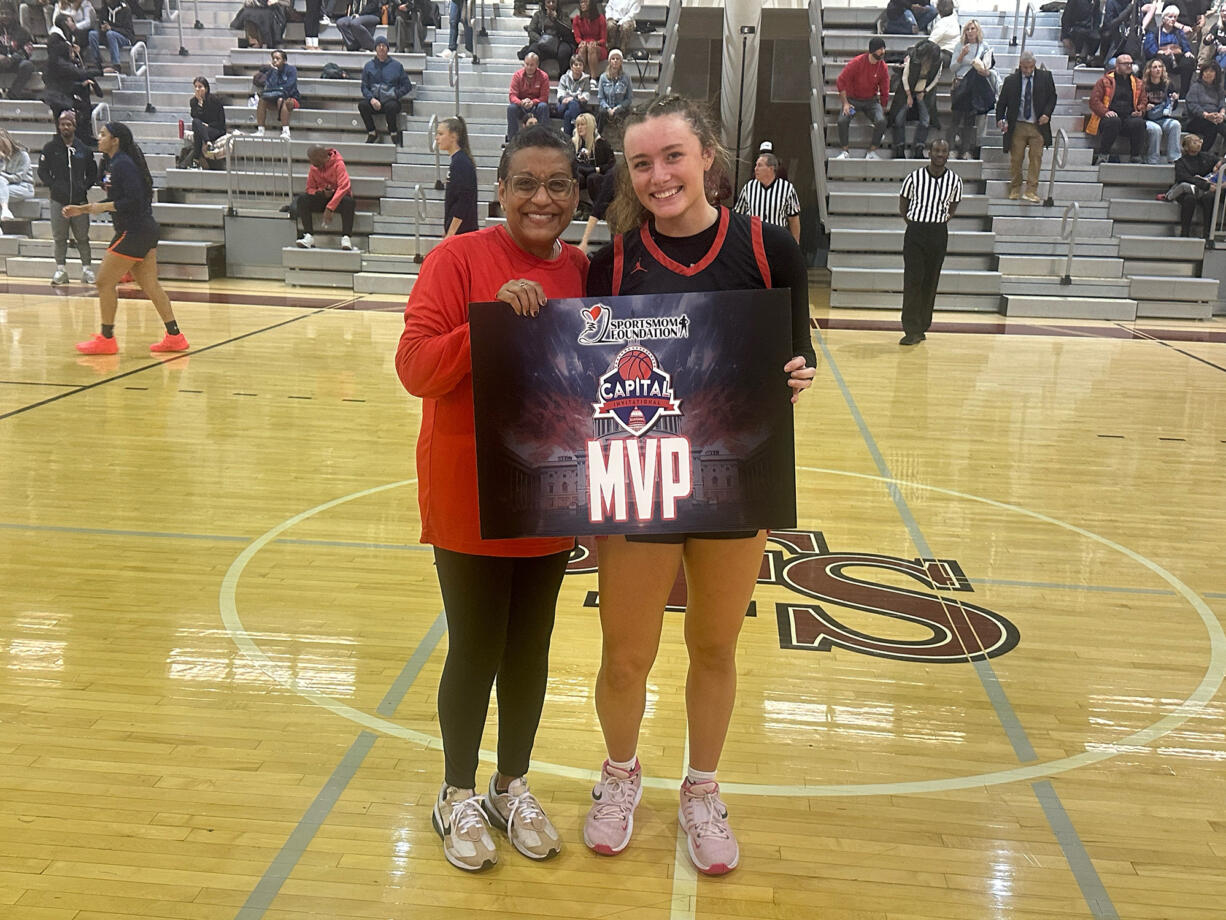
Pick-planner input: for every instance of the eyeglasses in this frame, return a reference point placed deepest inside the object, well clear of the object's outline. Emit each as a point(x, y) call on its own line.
point(559, 188)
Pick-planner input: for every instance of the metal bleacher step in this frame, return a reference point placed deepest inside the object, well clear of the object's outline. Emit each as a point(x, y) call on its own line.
point(301, 277)
point(1161, 247)
point(893, 260)
point(322, 260)
point(1178, 309)
point(1029, 286)
point(1102, 247)
point(1063, 192)
point(878, 280)
point(1054, 266)
point(892, 300)
point(880, 239)
point(1047, 227)
point(398, 245)
point(1065, 307)
point(1169, 269)
point(1165, 288)
point(380, 283)
point(22, 267)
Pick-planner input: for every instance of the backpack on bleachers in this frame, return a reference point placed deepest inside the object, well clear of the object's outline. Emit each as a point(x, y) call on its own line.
point(333, 72)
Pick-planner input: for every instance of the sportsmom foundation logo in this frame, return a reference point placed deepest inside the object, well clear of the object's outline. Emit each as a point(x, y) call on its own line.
point(917, 598)
point(600, 328)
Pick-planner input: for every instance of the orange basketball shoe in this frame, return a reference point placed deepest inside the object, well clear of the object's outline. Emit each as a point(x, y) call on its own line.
point(171, 343)
point(99, 345)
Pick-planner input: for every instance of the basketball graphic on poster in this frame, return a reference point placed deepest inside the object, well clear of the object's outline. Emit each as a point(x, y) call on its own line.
point(634, 364)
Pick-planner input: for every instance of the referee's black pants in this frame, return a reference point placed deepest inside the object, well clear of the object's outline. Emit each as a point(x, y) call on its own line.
point(923, 254)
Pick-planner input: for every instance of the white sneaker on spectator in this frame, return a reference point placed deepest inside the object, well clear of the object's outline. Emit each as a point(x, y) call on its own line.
point(87, 274)
point(843, 156)
point(346, 243)
point(259, 131)
point(306, 241)
point(872, 155)
point(324, 21)
point(285, 133)
point(446, 54)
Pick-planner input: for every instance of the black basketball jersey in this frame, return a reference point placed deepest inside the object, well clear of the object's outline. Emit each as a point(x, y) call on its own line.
point(736, 261)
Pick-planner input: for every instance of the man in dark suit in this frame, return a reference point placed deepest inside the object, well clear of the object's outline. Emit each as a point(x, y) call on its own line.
point(1023, 112)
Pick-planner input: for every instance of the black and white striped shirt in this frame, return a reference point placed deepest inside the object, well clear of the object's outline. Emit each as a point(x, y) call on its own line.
point(929, 197)
point(774, 203)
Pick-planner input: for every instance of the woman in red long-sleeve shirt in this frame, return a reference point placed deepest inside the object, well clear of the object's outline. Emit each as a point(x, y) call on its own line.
point(592, 35)
point(499, 595)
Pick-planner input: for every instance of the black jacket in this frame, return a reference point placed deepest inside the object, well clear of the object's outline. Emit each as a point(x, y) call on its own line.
point(119, 18)
point(1009, 103)
point(62, 72)
point(16, 42)
point(212, 112)
point(68, 171)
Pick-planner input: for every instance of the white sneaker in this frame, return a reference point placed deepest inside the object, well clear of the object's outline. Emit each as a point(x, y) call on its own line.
point(87, 274)
point(872, 155)
point(346, 243)
point(518, 812)
point(285, 133)
point(446, 54)
point(60, 276)
point(324, 21)
point(259, 132)
point(6, 214)
point(843, 156)
point(594, 86)
point(306, 241)
point(460, 820)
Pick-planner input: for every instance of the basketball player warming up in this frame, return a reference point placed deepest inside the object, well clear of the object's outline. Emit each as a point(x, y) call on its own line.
point(677, 242)
point(499, 595)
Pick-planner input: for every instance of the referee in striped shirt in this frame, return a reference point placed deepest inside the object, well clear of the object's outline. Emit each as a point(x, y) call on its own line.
point(769, 197)
point(928, 200)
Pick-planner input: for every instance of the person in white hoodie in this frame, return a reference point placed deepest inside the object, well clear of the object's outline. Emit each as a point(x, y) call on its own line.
point(619, 21)
point(16, 174)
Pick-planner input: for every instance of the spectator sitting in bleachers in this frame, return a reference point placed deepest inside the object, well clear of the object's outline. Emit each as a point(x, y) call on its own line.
point(1170, 45)
point(1118, 18)
point(280, 93)
point(864, 88)
point(1160, 121)
point(907, 17)
point(1192, 187)
point(262, 21)
point(945, 30)
point(619, 21)
point(16, 46)
point(208, 120)
point(574, 95)
point(614, 92)
point(384, 84)
point(916, 94)
point(591, 35)
point(1212, 34)
point(116, 29)
point(593, 155)
point(975, 88)
point(16, 174)
point(327, 189)
point(66, 83)
point(1206, 105)
point(356, 28)
point(529, 96)
point(1117, 103)
point(42, 14)
point(411, 18)
point(459, 15)
point(549, 37)
point(1079, 29)
point(84, 19)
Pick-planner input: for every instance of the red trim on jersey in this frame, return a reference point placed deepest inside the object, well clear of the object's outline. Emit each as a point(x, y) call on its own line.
point(619, 257)
point(677, 267)
point(759, 250)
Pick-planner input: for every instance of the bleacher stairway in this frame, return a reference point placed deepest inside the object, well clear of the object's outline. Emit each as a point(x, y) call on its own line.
point(1008, 256)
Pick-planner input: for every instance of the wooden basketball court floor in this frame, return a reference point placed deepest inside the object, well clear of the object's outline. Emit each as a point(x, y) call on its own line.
point(220, 640)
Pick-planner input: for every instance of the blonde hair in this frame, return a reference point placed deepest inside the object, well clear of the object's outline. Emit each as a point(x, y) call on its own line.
point(6, 141)
point(626, 212)
point(978, 28)
point(585, 126)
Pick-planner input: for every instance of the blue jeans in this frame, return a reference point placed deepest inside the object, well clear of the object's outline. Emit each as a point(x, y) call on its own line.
point(1168, 128)
point(920, 107)
point(454, 14)
point(355, 30)
point(568, 113)
point(516, 116)
point(116, 41)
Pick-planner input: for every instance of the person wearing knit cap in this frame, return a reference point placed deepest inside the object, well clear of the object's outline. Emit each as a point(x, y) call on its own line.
point(1170, 45)
point(384, 84)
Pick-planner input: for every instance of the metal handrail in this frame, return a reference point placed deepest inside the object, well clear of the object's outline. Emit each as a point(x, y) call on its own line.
point(420, 194)
point(1017, 11)
point(143, 71)
point(669, 53)
point(1028, 24)
point(176, 16)
point(432, 143)
point(1068, 231)
point(23, 18)
point(483, 32)
point(96, 121)
point(817, 110)
point(1219, 183)
point(1059, 159)
point(453, 78)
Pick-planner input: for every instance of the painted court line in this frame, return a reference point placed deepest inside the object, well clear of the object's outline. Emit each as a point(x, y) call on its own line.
point(1071, 844)
point(300, 838)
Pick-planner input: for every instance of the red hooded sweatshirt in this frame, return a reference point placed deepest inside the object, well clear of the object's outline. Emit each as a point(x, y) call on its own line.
point(334, 178)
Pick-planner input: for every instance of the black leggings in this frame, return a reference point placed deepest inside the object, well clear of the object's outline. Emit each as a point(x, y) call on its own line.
point(500, 614)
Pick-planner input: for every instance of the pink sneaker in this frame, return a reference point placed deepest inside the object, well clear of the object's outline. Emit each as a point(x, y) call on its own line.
point(171, 343)
point(704, 817)
point(99, 345)
point(610, 822)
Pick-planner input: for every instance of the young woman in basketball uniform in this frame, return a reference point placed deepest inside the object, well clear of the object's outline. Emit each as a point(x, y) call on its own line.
point(134, 248)
point(499, 595)
point(674, 241)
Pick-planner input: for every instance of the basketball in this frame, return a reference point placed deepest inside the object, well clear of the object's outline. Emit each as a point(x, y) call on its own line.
point(634, 365)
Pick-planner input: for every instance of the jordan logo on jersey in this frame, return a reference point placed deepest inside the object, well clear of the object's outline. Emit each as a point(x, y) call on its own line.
point(638, 267)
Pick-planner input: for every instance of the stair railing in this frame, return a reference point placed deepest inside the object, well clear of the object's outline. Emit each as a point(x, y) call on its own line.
point(174, 12)
point(1028, 24)
point(1059, 159)
point(817, 110)
point(1219, 181)
point(1068, 231)
point(99, 115)
point(432, 143)
point(453, 78)
point(669, 54)
point(483, 32)
point(140, 48)
point(420, 194)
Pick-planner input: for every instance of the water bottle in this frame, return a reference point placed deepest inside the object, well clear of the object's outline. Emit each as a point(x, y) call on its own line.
point(851, 111)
